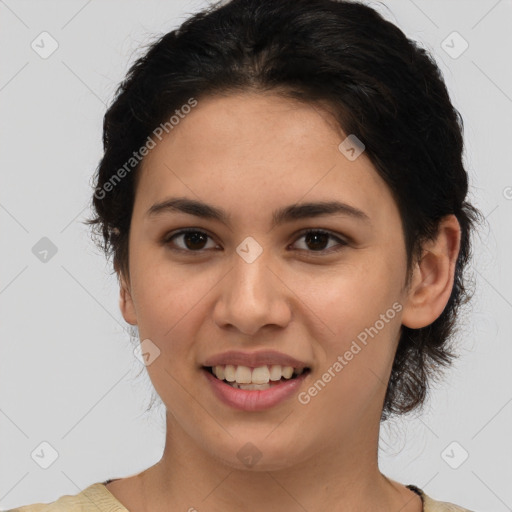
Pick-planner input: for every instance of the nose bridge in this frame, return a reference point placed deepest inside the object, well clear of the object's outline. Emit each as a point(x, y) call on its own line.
point(250, 278)
point(252, 296)
point(252, 285)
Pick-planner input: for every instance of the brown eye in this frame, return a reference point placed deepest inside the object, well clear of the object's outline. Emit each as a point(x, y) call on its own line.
point(316, 240)
point(193, 240)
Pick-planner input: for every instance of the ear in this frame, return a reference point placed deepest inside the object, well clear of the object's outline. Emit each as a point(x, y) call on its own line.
point(432, 280)
point(126, 304)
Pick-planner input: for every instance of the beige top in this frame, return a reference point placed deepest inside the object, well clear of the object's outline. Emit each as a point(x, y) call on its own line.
point(97, 498)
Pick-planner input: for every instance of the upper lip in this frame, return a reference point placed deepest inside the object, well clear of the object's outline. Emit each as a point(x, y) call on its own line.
point(254, 359)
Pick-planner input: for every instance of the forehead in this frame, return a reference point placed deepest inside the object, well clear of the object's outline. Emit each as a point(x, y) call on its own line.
point(258, 151)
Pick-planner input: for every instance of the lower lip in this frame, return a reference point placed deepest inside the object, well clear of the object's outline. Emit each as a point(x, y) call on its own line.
point(254, 400)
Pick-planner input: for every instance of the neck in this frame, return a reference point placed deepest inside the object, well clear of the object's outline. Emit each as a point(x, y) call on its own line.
point(342, 475)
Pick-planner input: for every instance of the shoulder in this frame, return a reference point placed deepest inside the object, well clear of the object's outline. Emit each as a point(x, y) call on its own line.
point(93, 498)
point(432, 505)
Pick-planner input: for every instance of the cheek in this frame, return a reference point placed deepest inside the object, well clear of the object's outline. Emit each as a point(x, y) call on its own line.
point(355, 370)
point(169, 300)
point(362, 310)
point(165, 304)
point(169, 313)
point(355, 296)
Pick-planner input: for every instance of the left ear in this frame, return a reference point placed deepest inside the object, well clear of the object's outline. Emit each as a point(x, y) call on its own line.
point(432, 280)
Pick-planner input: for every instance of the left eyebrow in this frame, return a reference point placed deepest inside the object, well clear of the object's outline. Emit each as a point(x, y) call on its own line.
point(279, 216)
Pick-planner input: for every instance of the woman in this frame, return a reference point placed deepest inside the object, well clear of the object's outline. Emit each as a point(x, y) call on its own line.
point(284, 197)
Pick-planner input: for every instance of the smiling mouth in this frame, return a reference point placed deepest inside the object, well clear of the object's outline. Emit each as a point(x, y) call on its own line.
point(263, 377)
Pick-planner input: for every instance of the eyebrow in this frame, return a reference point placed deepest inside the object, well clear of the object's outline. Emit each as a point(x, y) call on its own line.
point(280, 216)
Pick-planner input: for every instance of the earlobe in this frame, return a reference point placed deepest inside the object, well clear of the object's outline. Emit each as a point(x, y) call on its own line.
point(126, 302)
point(433, 276)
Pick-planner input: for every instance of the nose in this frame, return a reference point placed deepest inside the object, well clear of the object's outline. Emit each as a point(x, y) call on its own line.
point(252, 296)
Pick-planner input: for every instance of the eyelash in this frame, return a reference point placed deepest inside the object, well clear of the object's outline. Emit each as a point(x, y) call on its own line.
point(342, 243)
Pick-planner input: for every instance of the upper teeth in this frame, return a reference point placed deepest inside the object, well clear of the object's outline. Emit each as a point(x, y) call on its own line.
point(260, 375)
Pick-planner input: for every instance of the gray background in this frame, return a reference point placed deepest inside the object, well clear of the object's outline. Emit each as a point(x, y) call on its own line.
point(68, 375)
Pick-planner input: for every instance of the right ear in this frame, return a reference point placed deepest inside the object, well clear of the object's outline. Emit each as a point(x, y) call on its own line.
point(126, 304)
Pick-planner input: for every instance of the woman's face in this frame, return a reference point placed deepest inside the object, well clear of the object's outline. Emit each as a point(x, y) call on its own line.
point(253, 281)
